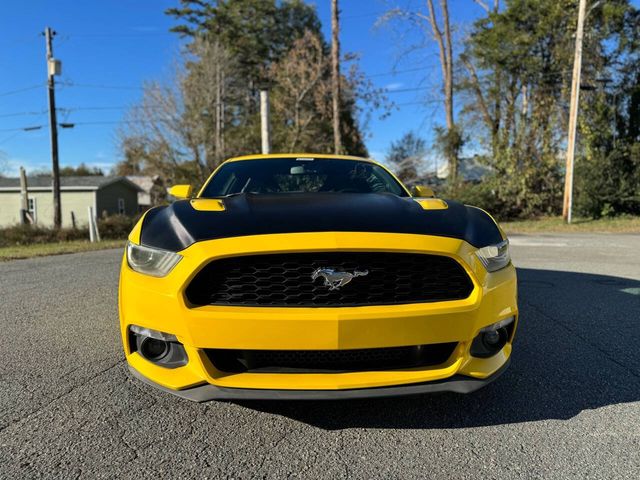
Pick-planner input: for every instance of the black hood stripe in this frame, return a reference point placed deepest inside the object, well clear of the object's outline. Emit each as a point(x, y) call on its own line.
point(179, 225)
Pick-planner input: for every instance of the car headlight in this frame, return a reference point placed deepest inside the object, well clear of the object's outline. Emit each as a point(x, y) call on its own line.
point(151, 261)
point(495, 257)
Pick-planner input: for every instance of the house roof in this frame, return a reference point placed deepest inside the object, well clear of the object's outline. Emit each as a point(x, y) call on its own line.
point(94, 182)
point(469, 169)
point(145, 182)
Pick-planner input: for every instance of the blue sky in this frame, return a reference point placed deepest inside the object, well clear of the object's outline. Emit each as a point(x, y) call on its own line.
point(110, 48)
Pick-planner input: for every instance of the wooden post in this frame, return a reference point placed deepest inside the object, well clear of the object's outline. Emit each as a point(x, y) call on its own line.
point(92, 232)
point(25, 217)
point(265, 121)
point(97, 230)
point(567, 205)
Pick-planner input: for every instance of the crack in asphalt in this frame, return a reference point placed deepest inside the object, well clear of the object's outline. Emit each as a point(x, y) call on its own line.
point(576, 334)
point(273, 446)
point(58, 397)
point(341, 448)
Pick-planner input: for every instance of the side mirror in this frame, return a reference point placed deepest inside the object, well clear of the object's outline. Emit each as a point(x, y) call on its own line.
point(180, 191)
point(422, 191)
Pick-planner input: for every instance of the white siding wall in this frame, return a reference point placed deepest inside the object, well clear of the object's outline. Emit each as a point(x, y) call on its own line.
point(72, 201)
point(9, 208)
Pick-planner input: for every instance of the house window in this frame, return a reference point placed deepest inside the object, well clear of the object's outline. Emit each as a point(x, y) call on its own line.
point(121, 209)
point(33, 209)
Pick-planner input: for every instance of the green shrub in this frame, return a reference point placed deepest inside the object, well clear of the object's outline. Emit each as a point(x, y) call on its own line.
point(30, 234)
point(116, 227)
point(111, 228)
point(608, 183)
point(479, 195)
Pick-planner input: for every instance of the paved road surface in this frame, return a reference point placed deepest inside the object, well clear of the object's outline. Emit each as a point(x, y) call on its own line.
point(567, 408)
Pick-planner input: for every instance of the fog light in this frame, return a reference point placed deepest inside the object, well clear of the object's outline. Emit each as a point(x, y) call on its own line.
point(153, 349)
point(160, 348)
point(491, 339)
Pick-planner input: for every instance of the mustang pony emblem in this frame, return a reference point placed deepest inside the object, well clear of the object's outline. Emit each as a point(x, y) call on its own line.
point(335, 279)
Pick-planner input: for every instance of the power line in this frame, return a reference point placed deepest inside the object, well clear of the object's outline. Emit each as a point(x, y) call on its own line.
point(110, 122)
point(394, 72)
point(25, 89)
point(21, 114)
point(67, 110)
point(76, 109)
point(25, 129)
point(403, 90)
point(117, 35)
point(6, 139)
point(94, 85)
point(123, 107)
point(363, 15)
point(423, 102)
point(100, 122)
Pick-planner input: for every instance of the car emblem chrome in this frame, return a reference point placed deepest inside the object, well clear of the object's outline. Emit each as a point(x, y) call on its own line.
point(335, 279)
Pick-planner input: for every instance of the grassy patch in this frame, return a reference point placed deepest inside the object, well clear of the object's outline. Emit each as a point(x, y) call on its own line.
point(623, 224)
point(57, 248)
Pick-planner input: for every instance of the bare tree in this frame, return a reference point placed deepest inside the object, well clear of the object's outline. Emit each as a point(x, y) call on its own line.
point(178, 128)
point(160, 132)
point(301, 80)
point(439, 29)
point(207, 88)
point(407, 157)
point(487, 8)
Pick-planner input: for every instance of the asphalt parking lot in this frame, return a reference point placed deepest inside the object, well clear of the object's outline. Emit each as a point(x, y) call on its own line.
point(568, 407)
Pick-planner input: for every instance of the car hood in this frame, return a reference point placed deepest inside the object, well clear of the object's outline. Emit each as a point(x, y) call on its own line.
point(176, 226)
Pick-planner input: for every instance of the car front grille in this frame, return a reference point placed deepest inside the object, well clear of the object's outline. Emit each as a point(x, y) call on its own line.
point(331, 361)
point(286, 280)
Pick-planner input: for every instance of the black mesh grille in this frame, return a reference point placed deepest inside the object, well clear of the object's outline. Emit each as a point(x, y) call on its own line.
point(304, 361)
point(286, 280)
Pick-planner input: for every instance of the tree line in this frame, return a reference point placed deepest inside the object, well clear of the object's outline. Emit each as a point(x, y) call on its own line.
point(505, 87)
point(510, 78)
point(209, 111)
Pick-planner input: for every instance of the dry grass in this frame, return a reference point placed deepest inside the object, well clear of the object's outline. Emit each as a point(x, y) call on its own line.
point(623, 224)
point(58, 248)
point(627, 224)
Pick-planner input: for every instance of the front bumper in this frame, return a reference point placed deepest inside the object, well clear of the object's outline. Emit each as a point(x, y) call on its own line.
point(159, 304)
point(205, 393)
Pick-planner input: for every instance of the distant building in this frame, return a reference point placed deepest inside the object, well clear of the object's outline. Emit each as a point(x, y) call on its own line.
point(469, 170)
point(152, 191)
point(110, 195)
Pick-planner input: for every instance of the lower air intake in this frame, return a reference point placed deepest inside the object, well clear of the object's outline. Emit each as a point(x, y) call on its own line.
point(317, 361)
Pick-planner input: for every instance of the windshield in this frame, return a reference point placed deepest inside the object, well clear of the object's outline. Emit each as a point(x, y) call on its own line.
point(296, 175)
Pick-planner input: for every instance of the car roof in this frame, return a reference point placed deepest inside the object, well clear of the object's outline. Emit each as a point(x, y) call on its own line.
point(299, 155)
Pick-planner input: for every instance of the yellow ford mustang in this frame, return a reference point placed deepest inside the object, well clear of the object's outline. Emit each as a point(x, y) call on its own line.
point(315, 277)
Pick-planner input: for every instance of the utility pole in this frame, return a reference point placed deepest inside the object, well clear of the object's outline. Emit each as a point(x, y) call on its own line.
point(335, 75)
point(53, 68)
point(265, 127)
point(573, 115)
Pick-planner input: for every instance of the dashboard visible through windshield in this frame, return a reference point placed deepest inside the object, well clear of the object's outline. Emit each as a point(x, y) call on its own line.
point(301, 175)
